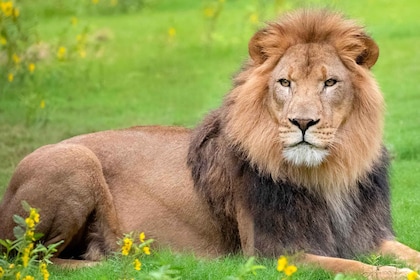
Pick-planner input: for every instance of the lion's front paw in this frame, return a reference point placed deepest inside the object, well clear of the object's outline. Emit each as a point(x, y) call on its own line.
point(388, 272)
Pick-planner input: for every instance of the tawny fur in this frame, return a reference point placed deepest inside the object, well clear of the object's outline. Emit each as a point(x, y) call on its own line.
point(227, 186)
point(363, 131)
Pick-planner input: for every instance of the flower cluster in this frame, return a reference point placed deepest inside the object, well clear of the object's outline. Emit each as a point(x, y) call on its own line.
point(284, 267)
point(24, 259)
point(127, 245)
point(44, 271)
point(126, 248)
point(62, 53)
point(132, 249)
point(137, 264)
point(8, 10)
point(14, 40)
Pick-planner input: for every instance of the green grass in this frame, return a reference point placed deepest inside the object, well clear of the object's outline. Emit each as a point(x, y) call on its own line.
point(188, 267)
point(144, 77)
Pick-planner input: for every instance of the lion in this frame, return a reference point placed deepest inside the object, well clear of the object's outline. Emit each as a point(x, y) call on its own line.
point(292, 162)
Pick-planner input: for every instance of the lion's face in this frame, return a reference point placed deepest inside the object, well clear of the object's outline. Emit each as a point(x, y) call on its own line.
point(311, 96)
point(306, 107)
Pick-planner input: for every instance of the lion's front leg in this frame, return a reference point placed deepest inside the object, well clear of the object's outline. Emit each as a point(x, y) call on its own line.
point(338, 265)
point(402, 252)
point(246, 230)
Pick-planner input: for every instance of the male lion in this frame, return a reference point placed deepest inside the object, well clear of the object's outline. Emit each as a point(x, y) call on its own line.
point(292, 161)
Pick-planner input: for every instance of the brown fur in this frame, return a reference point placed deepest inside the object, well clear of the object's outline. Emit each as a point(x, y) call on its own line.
point(239, 181)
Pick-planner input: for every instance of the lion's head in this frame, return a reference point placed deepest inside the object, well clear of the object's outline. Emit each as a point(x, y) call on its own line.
point(306, 107)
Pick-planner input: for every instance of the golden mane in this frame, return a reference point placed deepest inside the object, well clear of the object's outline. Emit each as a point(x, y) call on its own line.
point(250, 126)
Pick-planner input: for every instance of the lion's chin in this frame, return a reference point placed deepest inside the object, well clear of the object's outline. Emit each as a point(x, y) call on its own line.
point(305, 155)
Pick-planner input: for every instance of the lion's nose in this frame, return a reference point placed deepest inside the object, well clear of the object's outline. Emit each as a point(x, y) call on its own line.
point(304, 124)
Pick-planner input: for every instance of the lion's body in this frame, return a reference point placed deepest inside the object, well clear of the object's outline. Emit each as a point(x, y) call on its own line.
point(292, 161)
point(140, 171)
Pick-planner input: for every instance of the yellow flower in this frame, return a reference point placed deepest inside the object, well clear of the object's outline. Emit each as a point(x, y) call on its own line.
point(25, 260)
point(31, 67)
point(1, 271)
point(61, 53)
point(28, 277)
point(82, 53)
point(42, 266)
point(7, 8)
point(30, 235)
point(171, 32)
point(127, 243)
point(30, 222)
point(42, 104)
point(142, 237)
point(18, 275)
point(146, 250)
point(412, 275)
point(290, 269)
point(95, 2)
point(137, 264)
point(16, 58)
point(44, 271)
point(281, 263)
point(74, 21)
point(3, 41)
point(10, 77)
point(282, 266)
point(209, 12)
point(26, 254)
point(16, 12)
point(11, 266)
point(253, 18)
point(79, 38)
point(33, 214)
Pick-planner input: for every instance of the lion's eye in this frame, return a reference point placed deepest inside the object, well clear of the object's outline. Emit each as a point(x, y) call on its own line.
point(330, 82)
point(284, 82)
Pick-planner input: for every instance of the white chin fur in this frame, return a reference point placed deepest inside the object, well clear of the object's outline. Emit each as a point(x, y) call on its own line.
point(305, 155)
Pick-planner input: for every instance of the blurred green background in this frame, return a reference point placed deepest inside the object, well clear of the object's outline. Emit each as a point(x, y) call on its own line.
point(76, 66)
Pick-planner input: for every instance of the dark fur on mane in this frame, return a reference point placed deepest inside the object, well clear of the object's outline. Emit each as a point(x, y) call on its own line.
point(220, 170)
point(287, 218)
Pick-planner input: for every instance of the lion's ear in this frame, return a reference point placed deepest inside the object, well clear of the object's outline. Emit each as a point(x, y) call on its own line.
point(255, 47)
point(266, 42)
point(370, 53)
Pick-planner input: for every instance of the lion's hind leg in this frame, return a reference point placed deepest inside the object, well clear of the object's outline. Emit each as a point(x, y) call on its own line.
point(66, 183)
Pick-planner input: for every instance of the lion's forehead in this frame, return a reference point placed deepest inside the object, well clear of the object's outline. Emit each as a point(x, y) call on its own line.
point(313, 61)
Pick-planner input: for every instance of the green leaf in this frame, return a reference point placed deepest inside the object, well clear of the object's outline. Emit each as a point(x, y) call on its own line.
point(18, 232)
point(164, 272)
point(6, 243)
point(19, 220)
point(4, 263)
point(38, 235)
point(26, 206)
point(52, 247)
point(251, 267)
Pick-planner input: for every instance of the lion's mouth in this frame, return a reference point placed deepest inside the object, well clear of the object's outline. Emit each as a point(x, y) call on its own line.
point(304, 153)
point(303, 142)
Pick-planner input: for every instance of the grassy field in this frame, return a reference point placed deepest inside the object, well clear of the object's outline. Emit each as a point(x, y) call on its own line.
point(171, 61)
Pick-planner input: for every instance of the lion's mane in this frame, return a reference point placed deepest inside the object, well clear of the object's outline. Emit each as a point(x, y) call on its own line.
point(236, 157)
